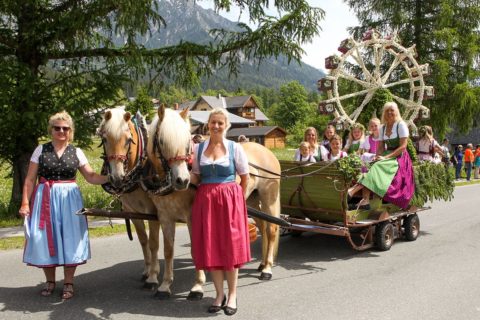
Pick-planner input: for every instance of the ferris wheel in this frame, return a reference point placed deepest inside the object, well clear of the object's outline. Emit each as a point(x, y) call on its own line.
point(368, 65)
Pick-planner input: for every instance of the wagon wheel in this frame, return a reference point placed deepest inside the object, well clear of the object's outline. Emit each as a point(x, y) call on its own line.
point(384, 236)
point(372, 64)
point(411, 224)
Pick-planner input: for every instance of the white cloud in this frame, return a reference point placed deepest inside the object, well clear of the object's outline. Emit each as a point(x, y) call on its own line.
point(334, 28)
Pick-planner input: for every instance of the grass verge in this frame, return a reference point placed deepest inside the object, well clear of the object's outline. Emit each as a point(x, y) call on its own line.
point(105, 231)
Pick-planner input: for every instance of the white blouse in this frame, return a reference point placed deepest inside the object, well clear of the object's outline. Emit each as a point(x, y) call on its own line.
point(402, 131)
point(82, 159)
point(241, 160)
point(341, 154)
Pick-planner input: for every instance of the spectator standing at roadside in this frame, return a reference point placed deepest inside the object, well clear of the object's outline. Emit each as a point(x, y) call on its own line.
point(468, 160)
point(476, 162)
point(446, 152)
point(457, 160)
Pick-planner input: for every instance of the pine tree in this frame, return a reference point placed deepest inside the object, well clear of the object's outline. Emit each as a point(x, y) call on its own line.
point(60, 54)
point(446, 34)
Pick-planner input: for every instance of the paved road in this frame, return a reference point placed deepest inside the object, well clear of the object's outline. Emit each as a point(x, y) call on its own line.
point(317, 277)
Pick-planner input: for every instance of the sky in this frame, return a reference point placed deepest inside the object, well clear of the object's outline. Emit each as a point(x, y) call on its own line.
point(334, 29)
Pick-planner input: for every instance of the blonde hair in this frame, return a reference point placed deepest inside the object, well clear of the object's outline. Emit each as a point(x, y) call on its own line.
point(62, 116)
point(356, 126)
point(225, 114)
point(304, 144)
point(394, 106)
point(330, 126)
point(425, 133)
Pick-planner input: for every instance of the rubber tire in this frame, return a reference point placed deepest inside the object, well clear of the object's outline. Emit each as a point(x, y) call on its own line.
point(384, 236)
point(411, 225)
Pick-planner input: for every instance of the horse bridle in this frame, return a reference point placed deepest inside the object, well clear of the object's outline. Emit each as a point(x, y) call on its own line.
point(131, 179)
point(165, 186)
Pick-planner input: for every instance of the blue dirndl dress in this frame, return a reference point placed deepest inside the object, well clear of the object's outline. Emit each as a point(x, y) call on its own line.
point(57, 236)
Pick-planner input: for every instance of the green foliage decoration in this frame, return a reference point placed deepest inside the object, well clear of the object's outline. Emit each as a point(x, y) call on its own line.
point(350, 167)
point(412, 151)
point(432, 182)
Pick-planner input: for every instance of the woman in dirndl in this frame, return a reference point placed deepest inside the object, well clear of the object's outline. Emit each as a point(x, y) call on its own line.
point(55, 235)
point(220, 239)
point(391, 176)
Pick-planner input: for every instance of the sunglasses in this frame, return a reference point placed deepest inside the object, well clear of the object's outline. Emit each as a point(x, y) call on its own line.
point(64, 129)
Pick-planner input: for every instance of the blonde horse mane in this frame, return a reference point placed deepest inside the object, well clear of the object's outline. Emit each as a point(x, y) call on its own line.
point(115, 126)
point(173, 131)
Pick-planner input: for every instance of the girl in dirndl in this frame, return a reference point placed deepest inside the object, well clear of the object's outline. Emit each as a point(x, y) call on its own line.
point(220, 238)
point(335, 152)
point(391, 176)
point(55, 235)
point(355, 139)
point(427, 146)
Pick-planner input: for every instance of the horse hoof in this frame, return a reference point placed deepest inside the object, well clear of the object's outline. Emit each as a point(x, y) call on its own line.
point(260, 267)
point(195, 296)
point(265, 276)
point(150, 286)
point(144, 277)
point(162, 295)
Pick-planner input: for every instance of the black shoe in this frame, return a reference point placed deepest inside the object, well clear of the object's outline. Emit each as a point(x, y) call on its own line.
point(214, 309)
point(229, 311)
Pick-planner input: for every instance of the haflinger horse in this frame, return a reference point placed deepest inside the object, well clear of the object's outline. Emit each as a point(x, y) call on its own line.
point(168, 148)
point(123, 144)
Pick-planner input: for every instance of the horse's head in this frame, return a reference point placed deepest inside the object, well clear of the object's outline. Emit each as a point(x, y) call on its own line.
point(118, 133)
point(170, 145)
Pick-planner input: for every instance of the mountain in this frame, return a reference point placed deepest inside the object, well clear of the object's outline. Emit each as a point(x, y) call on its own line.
point(187, 21)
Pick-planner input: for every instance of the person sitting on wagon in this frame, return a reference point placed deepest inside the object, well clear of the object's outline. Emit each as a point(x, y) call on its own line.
point(391, 176)
point(336, 152)
point(327, 135)
point(311, 137)
point(303, 153)
point(368, 149)
point(427, 146)
point(355, 138)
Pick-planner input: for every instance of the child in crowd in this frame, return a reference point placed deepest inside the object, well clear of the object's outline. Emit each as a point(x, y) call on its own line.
point(355, 139)
point(368, 148)
point(327, 135)
point(303, 153)
point(427, 146)
point(335, 152)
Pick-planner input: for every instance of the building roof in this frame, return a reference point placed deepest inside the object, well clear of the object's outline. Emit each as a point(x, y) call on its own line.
point(260, 116)
point(214, 102)
point(186, 105)
point(253, 131)
point(225, 102)
point(202, 117)
point(237, 101)
point(471, 137)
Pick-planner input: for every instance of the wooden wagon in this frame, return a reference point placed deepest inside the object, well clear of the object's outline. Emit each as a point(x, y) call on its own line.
point(314, 199)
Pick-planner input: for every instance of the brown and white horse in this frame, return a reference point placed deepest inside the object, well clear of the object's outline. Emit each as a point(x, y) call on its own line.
point(122, 144)
point(123, 147)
